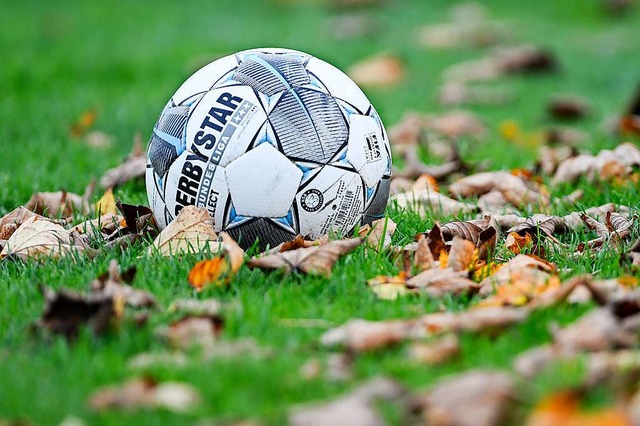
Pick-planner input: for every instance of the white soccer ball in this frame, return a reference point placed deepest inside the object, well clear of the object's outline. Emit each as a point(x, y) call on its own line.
point(273, 143)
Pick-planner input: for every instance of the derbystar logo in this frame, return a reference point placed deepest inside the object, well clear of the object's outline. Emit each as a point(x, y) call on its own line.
point(216, 130)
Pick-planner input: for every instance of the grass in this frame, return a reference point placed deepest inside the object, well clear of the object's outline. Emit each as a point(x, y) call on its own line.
point(124, 59)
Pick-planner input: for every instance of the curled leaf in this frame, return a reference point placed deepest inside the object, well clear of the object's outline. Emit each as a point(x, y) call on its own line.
point(191, 231)
point(310, 260)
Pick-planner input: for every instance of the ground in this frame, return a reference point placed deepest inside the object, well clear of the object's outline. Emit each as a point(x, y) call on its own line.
point(123, 60)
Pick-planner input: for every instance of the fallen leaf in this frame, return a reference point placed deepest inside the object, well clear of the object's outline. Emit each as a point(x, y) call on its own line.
point(630, 122)
point(378, 234)
point(193, 330)
point(436, 352)
point(310, 260)
point(57, 204)
point(438, 282)
point(515, 189)
point(83, 123)
point(457, 94)
point(145, 392)
point(606, 164)
point(455, 124)
point(632, 257)
point(568, 107)
point(106, 203)
point(563, 409)
point(114, 285)
point(106, 224)
point(210, 307)
point(191, 231)
point(133, 167)
point(427, 202)
point(523, 268)
point(220, 269)
point(37, 238)
point(489, 398)
point(66, 311)
point(354, 408)
point(389, 287)
point(597, 330)
point(384, 70)
point(515, 243)
point(98, 139)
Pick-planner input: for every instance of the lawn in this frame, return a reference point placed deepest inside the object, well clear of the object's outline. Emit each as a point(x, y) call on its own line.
point(123, 60)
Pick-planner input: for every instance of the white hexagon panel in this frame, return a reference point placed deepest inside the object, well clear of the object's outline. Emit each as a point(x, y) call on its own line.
point(224, 123)
point(262, 182)
point(331, 201)
point(366, 151)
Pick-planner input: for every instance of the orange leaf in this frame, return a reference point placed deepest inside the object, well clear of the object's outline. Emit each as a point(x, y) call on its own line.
point(83, 123)
point(562, 409)
point(516, 242)
point(208, 272)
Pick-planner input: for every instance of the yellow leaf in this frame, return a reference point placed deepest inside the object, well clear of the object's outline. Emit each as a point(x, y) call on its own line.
point(106, 203)
point(516, 242)
point(510, 130)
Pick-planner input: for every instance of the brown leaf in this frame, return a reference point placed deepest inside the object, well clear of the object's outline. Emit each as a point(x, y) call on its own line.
point(106, 224)
point(133, 167)
point(66, 311)
point(489, 398)
point(193, 330)
point(137, 219)
point(310, 260)
point(563, 409)
point(379, 71)
point(525, 59)
point(145, 392)
point(522, 268)
point(596, 330)
point(378, 234)
point(191, 231)
point(605, 165)
point(113, 284)
point(457, 94)
point(37, 238)
point(428, 202)
point(423, 257)
point(436, 352)
point(455, 124)
point(568, 107)
point(632, 257)
point(210, 307)
point(515, 189)
point(354, 408)
point(438, 282)
point(57, 204)
point(358, 335)
point(630, 122)
point(98, 139)
point(461, 254)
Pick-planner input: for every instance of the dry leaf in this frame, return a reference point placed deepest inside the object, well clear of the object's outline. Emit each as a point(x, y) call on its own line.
point(455, 124)
point(596, 330)
point(209, 307)
point(515, 243)
point(98, 139)
point(378, 234)
point(436, 352)
point(438, 282)
point(354, 408)
point(568, 107)
point(83, 123)
point(515, 189)
point(606, 164)
point(310, 260)
point(39, 238)
point(379, 71)
point(359, 335)
point(117, 286)
point(457, 94)
point(106, 224)
point(563, 409)
point(630, 122)
point(219, 270)
point(427, 202)
point(190, 232)
point(522, 267)
point(389, 288)
point(65, 311)
point(133, 167)
point(193, 330)
point(473, 398)
point(632, 257)
point(145, 393)
point(57, 204)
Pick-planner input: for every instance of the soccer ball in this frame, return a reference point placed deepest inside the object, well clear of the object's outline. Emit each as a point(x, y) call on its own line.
point(273, 143)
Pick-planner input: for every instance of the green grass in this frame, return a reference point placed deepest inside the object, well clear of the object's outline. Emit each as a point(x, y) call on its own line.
point(124, 59)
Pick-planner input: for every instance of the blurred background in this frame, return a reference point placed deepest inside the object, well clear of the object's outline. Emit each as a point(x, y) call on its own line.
point(79, 79)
